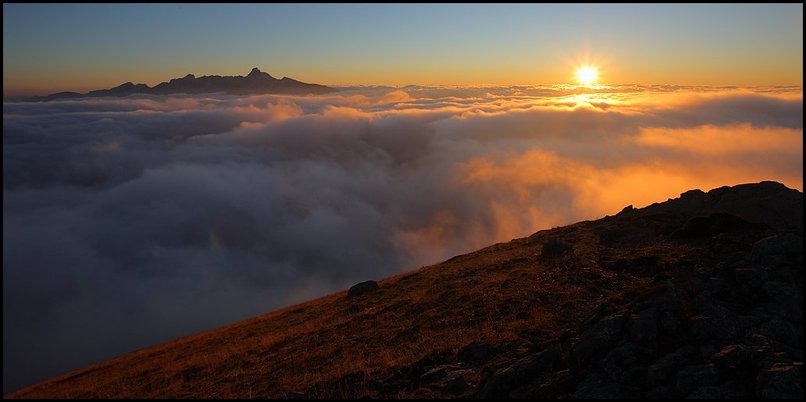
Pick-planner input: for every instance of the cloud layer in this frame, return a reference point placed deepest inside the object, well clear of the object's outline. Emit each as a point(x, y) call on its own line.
point(131, 221)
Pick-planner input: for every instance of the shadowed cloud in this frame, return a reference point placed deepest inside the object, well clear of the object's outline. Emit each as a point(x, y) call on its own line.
point(131, 221)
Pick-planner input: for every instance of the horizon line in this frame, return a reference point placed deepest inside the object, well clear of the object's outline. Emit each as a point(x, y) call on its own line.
point(563, 85)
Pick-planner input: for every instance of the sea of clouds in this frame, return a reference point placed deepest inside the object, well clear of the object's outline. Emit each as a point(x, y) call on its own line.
point(132, 221)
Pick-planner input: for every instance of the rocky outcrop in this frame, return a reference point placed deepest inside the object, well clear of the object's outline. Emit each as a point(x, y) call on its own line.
point(769, 202)
point(697, 297)
point(734, 330)
point(726, 323)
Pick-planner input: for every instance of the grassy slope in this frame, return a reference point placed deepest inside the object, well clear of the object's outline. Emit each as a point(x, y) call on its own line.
point(506, 294)
point(499, 293)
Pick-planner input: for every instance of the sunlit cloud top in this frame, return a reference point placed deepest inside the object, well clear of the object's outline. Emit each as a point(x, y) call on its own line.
point(131, 221)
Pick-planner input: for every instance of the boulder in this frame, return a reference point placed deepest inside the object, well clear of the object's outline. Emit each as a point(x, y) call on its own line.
point(555, 248)
point(733, 356)
point(642, 326)
point(788, 298)
point(497, 385)
point(504, 379)
point(729, 390)
point(716, 323)
point(785, 244)
point(604, 334)
point(619, 362)
point(663, 370)
point(437, 373)
point(662, 392)
point(549, 385)
point(691, 377)
point(362, 288)
point(705, 226)
point(781, 381)
point(597, 386)
point(477, 352)
point(781, 331)
point(754, 276)
point(455, 383)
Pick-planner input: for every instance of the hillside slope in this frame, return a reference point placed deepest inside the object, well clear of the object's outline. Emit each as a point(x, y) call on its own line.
point(698, 296)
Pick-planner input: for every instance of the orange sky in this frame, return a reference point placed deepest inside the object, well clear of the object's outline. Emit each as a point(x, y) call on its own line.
point(79, 47)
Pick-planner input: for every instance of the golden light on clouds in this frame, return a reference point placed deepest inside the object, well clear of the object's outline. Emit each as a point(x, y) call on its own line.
point(414, 175)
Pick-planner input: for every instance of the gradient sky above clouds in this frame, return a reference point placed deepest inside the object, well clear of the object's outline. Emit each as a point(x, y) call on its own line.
point(55, 47)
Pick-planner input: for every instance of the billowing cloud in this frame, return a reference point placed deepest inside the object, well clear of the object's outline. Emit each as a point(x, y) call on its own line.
point(131, 221)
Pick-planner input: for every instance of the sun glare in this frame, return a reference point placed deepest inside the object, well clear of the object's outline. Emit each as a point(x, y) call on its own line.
point(586, 75)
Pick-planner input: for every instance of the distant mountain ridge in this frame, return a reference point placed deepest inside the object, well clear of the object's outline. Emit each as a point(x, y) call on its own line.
point(256, 82)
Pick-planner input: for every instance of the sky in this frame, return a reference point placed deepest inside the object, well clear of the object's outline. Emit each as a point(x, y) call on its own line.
point(54, 47)
point(135, 220)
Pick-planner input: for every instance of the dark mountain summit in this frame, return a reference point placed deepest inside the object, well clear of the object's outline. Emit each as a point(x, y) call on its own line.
point(768, 201)
point(256, 82)
point(699, 296)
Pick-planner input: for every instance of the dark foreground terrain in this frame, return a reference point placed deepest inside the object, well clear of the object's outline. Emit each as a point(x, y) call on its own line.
point(700, 296)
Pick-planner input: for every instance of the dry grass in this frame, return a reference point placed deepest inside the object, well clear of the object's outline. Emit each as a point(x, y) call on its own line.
point(335, 346)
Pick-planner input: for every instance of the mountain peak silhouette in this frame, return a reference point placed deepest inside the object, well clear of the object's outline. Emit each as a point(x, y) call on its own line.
point(256, 82)
point(256, 74)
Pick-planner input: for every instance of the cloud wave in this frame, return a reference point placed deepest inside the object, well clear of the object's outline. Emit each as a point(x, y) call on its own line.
point(130, 221)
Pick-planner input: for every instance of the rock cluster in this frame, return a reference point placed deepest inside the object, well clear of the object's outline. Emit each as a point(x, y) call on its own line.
point(733, 331)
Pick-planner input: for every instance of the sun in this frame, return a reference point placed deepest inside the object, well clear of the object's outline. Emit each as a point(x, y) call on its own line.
point(586, 75)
